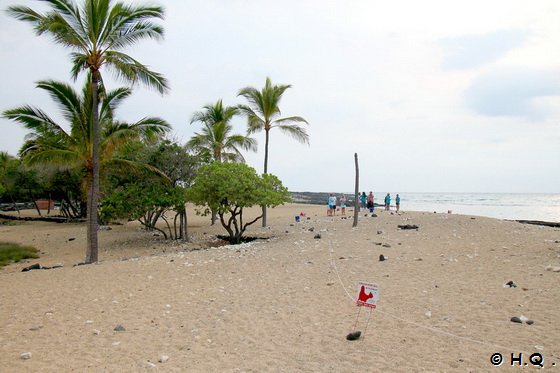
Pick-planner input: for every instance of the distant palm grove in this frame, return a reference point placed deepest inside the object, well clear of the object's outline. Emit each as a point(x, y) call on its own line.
point(101, 167)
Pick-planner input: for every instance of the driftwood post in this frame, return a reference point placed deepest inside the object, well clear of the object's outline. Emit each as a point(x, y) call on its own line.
point(356, 192)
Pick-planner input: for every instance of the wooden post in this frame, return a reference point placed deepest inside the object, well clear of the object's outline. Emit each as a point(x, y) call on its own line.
point(356, 192)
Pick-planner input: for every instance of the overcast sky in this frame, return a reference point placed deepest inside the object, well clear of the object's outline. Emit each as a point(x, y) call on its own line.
point(441, 96)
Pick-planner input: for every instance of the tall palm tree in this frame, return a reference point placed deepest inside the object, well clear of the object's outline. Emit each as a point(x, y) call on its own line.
point(215, 142)
point(263, 113)
point(69, 145)
point(96, 33)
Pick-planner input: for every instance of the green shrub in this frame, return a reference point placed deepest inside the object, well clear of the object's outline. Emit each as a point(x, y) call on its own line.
point(13, 252)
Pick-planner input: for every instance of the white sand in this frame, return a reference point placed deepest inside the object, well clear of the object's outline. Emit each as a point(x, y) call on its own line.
point(282, 304)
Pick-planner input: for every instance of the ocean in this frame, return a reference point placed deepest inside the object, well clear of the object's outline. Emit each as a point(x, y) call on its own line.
point(511, 206)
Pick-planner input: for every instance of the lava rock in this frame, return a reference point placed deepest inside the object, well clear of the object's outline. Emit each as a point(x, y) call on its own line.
point(354, 335)
point(31, 267)
point(408, 226)
point(119, 328)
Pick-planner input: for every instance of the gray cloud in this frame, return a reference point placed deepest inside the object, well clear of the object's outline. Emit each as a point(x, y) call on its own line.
point(513, 92)
point(471, 51)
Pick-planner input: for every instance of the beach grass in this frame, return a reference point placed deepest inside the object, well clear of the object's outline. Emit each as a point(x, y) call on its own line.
point(13, 252)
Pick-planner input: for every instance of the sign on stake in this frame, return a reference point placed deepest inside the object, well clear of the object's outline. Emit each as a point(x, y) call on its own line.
point(368, 294)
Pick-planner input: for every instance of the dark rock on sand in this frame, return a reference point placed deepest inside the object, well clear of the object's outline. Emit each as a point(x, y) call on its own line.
point(317, 236)
point(382, 258)
point(31, 267)
point(516, 319)
point(408, 226)
point(511, 284)
point(119, 328)
point(354, 335)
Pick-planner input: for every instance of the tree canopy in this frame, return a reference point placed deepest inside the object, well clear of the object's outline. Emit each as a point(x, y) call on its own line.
point(229, 188)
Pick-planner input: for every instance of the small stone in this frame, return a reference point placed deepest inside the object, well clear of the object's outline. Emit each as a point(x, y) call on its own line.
point(71, 238)
point(119, 328)
point(31, 267)
point(96, 332)
point(25, 356)
point(354, 335)
point(516, 319)
point(386, 245)
point(530, 322)
point(428, 314)
point(382, 258)
point(379, 232)
point(317, 236)
point(163, 358)
point(510, 284)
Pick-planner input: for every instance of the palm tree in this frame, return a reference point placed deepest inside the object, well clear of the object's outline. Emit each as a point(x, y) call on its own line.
point(69, 145)
point(96, 33)
point(262, 114)
point(215, 142)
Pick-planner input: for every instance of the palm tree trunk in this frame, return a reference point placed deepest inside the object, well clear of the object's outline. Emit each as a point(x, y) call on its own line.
point(92, 248)
point(265, 171)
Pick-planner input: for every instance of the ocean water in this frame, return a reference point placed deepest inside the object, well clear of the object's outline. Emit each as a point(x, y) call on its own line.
point(513, 206)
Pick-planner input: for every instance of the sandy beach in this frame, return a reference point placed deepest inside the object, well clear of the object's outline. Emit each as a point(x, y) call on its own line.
point(285, 302)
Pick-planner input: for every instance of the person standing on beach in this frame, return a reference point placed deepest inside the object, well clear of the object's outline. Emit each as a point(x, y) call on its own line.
point(342, 201)
point(387, 202)
point(398, 202)
point(370, 204)
point(332, 205)
point(363, 199)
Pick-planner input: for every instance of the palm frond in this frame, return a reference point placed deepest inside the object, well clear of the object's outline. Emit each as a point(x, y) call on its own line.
point(35, 120)
point(64, 96)
point(296, 132)
point(131, 70)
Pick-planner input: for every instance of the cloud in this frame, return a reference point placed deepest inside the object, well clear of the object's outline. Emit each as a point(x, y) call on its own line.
point(471, 51)
point(515, 92)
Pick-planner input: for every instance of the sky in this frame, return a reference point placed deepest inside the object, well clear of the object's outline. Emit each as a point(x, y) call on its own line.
point(432, 95)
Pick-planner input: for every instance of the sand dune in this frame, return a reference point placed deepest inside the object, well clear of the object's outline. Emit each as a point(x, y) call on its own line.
point(285, 303)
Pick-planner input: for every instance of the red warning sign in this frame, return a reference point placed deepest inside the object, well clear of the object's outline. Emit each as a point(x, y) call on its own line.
point(368, 294)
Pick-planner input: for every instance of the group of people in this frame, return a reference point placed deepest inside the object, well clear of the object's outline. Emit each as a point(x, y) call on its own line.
point(366, 201)
point(332, 203)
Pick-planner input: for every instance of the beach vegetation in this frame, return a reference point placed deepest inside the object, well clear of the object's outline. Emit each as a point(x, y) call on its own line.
point(149, 197)
point(229, 188)
point(13, 253)
point(20, 183)
point(215, 142)
point(97, 32)
point(263, 114)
